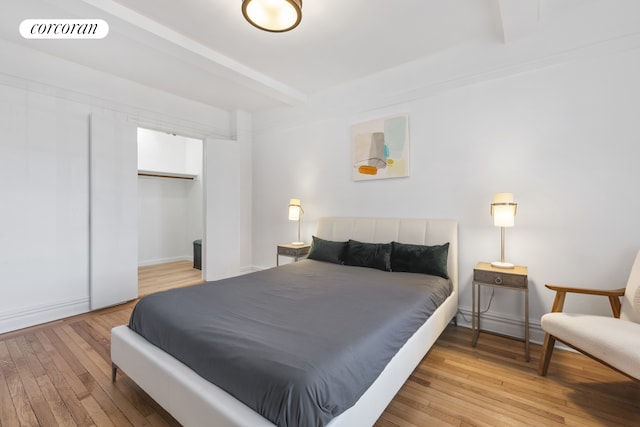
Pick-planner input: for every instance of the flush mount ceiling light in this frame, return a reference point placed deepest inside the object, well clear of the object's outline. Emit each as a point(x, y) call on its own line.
point(276, 16)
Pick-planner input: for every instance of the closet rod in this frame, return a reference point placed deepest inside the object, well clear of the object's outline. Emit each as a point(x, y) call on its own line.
point(166, 175)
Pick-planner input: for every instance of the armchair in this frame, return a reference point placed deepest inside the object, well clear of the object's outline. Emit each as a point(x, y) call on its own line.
point(614, 341)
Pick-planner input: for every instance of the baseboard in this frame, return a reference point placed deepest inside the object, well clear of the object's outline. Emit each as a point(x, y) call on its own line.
point(164, 260)
point(249, 269)
point(11, 320)
point(505, 325)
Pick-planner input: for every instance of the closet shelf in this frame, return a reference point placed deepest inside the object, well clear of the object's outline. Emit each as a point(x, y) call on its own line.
point(157, 174)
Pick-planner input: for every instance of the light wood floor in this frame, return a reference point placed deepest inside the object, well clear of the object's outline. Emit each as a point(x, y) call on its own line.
point(155, 278)
point(59, 374)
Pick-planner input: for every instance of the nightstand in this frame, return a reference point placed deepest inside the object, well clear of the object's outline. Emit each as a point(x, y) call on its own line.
point(513, 278)
point(290, 250)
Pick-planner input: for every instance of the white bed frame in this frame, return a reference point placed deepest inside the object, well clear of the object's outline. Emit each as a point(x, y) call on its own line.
point(193, 401)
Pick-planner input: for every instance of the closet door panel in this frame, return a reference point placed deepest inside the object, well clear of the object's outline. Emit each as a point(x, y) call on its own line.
point(221, 244)
point(113, 195)
point(44, 212)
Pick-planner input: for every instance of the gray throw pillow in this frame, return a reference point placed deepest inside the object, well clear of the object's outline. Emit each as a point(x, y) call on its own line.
point(327, 250)
point(420, 259)
point(372, 255)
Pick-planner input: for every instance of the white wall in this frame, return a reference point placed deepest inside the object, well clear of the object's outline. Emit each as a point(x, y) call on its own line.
point(168, 152)
point(170, 214)
point(563, 138)
point(163, 220)
point(45, 104)
point(228, 242)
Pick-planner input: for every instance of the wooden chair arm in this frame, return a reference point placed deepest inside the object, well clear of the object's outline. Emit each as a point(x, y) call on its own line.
point(603, 292)
point(561, 292)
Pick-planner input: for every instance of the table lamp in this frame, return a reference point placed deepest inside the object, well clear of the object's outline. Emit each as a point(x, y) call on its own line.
point(503, 211)
point(295, 213)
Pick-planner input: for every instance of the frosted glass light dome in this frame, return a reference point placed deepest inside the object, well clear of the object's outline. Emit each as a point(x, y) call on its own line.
point(273, 15)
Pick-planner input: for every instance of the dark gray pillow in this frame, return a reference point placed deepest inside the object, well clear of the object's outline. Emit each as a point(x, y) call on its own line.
point(327, 250)
point(420, 259)
point(372, 255)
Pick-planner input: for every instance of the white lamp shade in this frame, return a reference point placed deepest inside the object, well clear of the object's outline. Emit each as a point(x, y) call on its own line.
point(294, 209)
point(273, 15)
point(503, 210)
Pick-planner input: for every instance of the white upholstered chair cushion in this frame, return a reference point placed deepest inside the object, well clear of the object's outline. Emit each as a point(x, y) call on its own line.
point(606, 338)
point(630, 309)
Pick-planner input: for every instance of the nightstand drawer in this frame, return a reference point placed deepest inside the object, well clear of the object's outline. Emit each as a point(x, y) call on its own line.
point(500, 278)
point(293, 250)
point(289, 251)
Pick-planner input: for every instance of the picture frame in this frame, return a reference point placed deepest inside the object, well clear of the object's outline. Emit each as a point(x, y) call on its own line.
point(380, 148)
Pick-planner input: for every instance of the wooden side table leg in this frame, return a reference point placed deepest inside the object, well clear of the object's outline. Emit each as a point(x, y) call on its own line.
point(475, 313)
point(478, 305)
point(526, 324)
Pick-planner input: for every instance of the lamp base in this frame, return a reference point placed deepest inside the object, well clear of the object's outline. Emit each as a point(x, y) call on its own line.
point(297, 243)
point(498, 264)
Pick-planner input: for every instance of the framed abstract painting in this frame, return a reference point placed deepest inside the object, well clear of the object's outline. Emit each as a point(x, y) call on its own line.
point(380, 148)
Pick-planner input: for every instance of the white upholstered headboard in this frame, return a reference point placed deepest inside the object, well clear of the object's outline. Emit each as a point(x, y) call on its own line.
point(403, 230)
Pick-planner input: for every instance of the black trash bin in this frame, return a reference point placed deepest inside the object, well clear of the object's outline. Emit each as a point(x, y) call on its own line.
point(197, 254)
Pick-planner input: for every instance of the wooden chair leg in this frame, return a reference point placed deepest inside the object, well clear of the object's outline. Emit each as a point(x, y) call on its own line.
point(545, 357)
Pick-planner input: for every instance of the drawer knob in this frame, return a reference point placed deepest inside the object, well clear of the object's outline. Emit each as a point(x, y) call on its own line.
point(498, 280)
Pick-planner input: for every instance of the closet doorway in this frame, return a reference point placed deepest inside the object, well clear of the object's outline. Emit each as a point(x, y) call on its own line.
point(170, 210)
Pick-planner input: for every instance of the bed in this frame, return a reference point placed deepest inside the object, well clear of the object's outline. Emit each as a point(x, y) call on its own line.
point(194, 401)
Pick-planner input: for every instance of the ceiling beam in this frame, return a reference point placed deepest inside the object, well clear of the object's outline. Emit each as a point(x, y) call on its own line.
point(223, 65)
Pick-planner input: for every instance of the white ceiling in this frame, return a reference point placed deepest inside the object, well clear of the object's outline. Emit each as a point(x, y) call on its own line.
point(205, 51)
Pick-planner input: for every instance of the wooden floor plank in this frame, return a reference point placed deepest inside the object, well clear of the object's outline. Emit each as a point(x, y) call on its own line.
point(65, 352)
point(99, 417)
point(19, 396)
point(99, 344)
point(56, 403)
point(64, 368)
point(50, 393)
point(98, 382)
point(35, 397)
point(108, 404)
point(171, 275)
point(61, 365)
point(61, 380)
point(8, 414)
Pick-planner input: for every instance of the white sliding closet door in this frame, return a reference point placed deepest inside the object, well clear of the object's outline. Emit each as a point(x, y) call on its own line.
point(222, 194)
point(44, 208)
point(114, 217)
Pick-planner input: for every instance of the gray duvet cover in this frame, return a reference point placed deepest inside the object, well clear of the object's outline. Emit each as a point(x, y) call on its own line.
point(299, 344)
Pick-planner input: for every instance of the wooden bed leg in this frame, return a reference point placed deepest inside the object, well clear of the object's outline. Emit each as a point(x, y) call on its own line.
point(114, 370)
point(545, 356)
